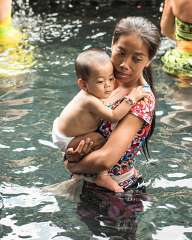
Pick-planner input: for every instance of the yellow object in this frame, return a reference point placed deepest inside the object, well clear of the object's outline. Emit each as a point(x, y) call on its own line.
point(9, 36)
point(16, 55)
point(16, 61)
point(178, 61)
point(185, 46)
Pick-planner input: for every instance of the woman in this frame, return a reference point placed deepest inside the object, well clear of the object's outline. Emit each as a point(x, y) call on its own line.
point(134, 44)
point(176, 24)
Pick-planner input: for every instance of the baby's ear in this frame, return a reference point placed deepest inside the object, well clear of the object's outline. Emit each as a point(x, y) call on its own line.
point(82, 84)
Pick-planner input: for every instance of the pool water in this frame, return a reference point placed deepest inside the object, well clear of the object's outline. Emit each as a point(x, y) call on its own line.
point(28, 105)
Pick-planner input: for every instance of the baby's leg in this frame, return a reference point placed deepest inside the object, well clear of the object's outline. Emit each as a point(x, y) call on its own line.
point(104, 180)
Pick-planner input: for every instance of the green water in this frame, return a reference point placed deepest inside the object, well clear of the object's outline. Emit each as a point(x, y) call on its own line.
point(30, 102)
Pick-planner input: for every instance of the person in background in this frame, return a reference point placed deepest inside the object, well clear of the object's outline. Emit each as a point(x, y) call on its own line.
point(176, 24)
point(9, 35)
point(16, 53)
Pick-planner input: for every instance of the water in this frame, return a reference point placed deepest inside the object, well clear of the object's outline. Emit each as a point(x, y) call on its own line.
point(30, 102)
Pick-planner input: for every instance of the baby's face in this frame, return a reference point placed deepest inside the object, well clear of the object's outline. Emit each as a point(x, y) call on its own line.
point(101, 82)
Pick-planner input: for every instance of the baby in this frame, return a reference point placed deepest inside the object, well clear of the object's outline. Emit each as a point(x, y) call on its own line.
point(84, 112)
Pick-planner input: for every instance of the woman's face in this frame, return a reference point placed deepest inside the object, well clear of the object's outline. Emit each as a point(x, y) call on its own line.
point(129, 57)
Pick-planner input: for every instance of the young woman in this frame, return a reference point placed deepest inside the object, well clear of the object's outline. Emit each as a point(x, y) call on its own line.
point(134, 44)
point(176, 23)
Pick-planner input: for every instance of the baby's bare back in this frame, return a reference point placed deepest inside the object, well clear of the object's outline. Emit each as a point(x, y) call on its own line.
point(77, 119)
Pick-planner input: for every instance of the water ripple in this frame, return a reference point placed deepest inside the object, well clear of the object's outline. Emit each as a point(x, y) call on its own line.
point(164, 183)
point(24, 149)
point(19, 196)
point(173, 232)
point(14, 114)
point(33, 230)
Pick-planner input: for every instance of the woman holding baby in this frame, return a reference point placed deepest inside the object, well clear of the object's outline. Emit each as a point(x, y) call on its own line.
point(134, 45)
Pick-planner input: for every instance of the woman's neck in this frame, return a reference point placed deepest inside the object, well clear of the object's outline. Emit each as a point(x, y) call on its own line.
point(124, 89)
point(130, 86)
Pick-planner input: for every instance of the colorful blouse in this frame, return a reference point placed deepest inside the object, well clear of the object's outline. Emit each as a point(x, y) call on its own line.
point(143, 109)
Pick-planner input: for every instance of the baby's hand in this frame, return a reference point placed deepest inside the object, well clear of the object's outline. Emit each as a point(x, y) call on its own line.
point(138, 93)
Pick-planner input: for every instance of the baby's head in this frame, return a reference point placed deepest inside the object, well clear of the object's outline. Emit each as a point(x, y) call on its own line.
point(94, 71)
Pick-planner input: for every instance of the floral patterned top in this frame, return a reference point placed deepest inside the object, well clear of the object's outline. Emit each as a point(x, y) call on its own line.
point(143, 109)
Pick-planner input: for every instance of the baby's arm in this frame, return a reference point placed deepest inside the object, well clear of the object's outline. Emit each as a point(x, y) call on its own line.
point(98, 108)
point(105, 113)
point(168, 21)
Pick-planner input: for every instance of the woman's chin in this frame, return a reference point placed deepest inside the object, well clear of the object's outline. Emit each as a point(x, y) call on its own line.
point(123, 77)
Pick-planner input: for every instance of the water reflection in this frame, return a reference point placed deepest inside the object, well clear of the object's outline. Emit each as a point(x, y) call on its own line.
point(21, 162)
point(111, 216)
point(33, 230)
point(14, 114)
point(180, 101)
point(15, 102)
point(169, 232)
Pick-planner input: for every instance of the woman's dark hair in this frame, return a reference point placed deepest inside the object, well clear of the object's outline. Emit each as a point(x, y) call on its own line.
point(150, 35)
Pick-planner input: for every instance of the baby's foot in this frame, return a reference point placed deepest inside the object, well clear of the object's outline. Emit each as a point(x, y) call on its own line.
point(118, 189)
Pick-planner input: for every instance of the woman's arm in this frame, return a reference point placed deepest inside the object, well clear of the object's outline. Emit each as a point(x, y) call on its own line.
point(105, 157)
point(168, 21)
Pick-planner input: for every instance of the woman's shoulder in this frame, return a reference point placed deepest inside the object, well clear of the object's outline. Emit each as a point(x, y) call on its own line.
point(150, 97)
point(145, 107)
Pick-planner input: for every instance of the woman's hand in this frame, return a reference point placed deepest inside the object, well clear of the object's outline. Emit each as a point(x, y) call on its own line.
point(83, 148)
point(83, 145)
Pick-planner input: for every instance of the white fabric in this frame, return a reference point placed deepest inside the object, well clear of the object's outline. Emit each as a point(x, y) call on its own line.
point(71, 189)
point(59, 139)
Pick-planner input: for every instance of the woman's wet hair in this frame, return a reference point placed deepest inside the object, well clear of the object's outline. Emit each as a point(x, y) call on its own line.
point(150, 36)
point(142, 27)
point(85, 60)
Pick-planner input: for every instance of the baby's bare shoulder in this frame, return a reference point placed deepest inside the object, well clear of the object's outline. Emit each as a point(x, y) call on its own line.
point(92, 101)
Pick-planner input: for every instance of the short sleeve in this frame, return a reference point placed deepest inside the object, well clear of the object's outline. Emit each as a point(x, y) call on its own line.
point(144, 109)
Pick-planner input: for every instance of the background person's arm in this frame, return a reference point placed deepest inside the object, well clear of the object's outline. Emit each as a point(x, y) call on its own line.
point(105, 157)
point(5, 9)
point(168, 21)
